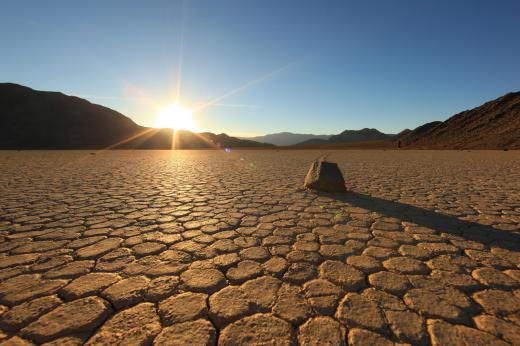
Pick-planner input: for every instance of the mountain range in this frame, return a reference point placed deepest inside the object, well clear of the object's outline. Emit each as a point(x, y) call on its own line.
point(363, 135)
point(287, 138)
point(493, 125)
point(31, 119)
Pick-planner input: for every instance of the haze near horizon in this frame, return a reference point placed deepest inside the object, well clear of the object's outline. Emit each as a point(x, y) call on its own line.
point(254, 68)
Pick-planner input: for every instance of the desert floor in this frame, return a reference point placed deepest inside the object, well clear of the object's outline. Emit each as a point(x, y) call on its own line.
point(210, 247)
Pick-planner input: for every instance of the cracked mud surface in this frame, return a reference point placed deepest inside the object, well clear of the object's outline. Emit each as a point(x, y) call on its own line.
point(208, 247)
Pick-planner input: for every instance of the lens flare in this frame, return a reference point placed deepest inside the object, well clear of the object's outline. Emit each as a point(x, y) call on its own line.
point(177, 118)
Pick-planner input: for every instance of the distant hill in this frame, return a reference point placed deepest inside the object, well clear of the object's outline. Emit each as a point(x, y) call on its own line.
point(493, 125)
point(286, 138)
point(363, 135)
point(314, 141)
point(409, 136)
point(31, 119)
point(190, 140)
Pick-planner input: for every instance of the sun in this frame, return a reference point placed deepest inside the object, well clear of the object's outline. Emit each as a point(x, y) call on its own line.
point(176, 117)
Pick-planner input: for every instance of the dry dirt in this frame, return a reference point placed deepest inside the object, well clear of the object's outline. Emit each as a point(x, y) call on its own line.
point(209, 247)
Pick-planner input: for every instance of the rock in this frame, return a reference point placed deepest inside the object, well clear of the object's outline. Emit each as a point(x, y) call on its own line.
point(325, 176)
point(199, 332)
point(137, 325)
point(259, 329)
point(82, 315)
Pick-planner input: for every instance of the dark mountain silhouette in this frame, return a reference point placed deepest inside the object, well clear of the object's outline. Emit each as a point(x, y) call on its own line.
point(314, 141)
point(493, 125)
point(409, 136)
point(31, 119)
point(286, 138)
point(190, 140)
point(346, 136)
point(365, 134)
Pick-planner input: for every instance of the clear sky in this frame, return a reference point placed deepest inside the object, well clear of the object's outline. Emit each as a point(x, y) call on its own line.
point(300, 66)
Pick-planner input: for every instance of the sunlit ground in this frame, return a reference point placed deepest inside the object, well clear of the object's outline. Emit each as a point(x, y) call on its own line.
point(145, 237)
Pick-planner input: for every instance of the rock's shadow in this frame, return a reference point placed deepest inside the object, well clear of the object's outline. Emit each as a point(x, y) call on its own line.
point(468, 230)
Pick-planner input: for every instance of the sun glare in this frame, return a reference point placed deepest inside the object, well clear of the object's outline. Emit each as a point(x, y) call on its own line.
point(176, 117)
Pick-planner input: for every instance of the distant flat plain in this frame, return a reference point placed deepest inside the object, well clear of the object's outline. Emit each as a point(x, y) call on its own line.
point(425, 247)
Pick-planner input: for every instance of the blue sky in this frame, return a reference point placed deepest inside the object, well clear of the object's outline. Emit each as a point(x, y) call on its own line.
point(306, 66)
